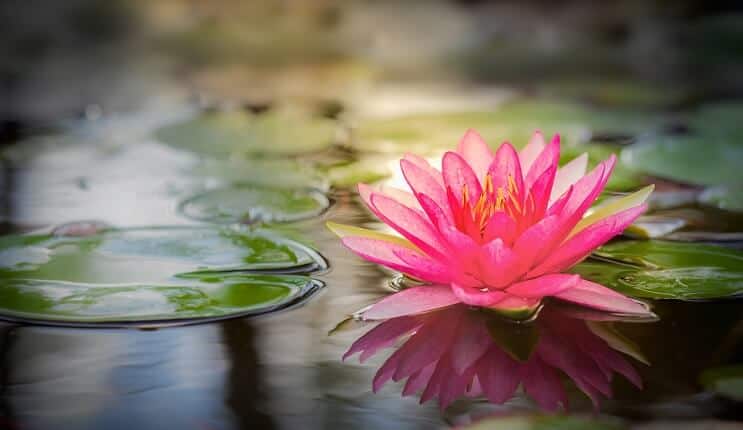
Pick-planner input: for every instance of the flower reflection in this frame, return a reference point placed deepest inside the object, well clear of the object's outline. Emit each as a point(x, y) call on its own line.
point(461, 351)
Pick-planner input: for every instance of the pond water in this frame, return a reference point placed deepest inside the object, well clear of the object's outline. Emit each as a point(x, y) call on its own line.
point(284, 369)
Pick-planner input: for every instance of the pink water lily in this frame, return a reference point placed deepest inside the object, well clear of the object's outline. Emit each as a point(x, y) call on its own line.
point(494, 230)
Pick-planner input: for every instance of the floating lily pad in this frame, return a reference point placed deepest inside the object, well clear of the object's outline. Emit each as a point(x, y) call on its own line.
point(726, 381)
point(242, 132)
point(150, 274)
point(514, 122)
point(220, 296)
point(667, 270)
point(693, 160)
point(724, 197)
point(272, 173)
point(249, 204)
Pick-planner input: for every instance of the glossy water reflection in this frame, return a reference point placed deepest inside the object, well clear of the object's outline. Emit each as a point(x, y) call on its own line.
point(460, 351)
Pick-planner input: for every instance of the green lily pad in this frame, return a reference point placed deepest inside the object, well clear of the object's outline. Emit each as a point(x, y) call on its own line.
point(241, 132)
point(515, 122)
point(546, 422)
point(249, 204)
point(719, 119)
point(723, 197)
point(150, 274)
point(220, 296)
point(667, 270)
point(272, 173)
point(693, 160)
point(726, 381)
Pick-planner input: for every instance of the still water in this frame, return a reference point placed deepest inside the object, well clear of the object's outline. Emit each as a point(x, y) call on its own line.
point(283, 370)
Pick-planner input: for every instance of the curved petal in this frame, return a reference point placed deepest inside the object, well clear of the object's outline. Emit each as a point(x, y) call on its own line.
point(343, 230)
point(422, 182)
point(476, 152)
point(409, 223)
point(579, 246)
point(499, 265)
point(412, 301)
point(532, 150)
point(387, 254)
point(546, 159)
point(614, 206)
point(506, 168)
point(569, 174)
point(458, 176)
point(476, 297)
point(542, 286)
point(592, 295)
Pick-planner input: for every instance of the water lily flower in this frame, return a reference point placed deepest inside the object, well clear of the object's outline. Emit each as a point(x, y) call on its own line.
point(458, 351)
point(494, 230)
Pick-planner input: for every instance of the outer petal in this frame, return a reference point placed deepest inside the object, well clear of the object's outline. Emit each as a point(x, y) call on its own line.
point(423, 164)
point(546, 285)
point(498, 374)
point(457, 175)
point(475, 297)
point(597, 296)
point(548, 158)
point(410, 224)
point(476, 152)
point(569, 174)
point(343, 230)
point(421, 181)
point(388, 254)
point(412, 301)
point(610, 208)
point(532, 150)
point(590, 238)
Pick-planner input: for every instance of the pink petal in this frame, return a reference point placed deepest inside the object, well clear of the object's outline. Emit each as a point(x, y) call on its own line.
point(506, 165)
point(569, 174)
point(458, 175)
point(402, 196)
point(538, 241)
point(588, 188)
point(476, 297)
point(410, 224)
point(542, 286)
point(425, 166)
point(476, 152)
point(499, 265)
point(588, 239)
point(597, 296)
point(501, 226)
point(383, 335)
point(540, 192)
point(388, 254)
point(412, 301)
point(532, 150)
point(421, 181)
point(548, 158)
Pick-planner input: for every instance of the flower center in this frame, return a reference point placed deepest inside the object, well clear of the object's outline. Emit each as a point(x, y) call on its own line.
point(474, 216)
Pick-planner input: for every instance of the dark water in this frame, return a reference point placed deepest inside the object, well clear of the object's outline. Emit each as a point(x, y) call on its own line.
point(284, 371)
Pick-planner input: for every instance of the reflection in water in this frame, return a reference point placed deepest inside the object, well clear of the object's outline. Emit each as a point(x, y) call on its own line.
point(460, 351)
